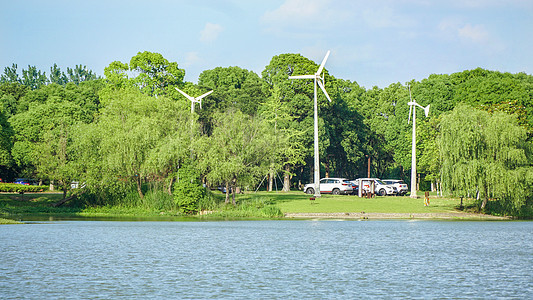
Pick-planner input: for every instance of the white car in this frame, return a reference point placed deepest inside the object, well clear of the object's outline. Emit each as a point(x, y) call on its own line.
point(335, 186)
point(380, 187)
point(399, 184)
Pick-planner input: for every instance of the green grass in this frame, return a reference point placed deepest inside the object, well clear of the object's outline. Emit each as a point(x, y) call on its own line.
point(297, 202)
point(262, 205)
point(8, 221)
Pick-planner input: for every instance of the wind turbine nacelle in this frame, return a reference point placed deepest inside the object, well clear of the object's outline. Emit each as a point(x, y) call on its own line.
point(426, 110)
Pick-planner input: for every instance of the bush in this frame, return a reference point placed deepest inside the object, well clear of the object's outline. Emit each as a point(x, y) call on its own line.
point(17, 188)
point(188, 191)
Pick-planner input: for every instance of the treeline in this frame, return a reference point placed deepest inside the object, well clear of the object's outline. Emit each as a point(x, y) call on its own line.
point(131, 137)
point(34, 78)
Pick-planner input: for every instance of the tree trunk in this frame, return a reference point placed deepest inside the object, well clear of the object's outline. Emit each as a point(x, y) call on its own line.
point(287, 179)
point(484, 203)
point(64, 200)
point(170, 185)
point(270, 180)
point(234, 190)
point(139, 187)
point(485, 198)
point(227, 193)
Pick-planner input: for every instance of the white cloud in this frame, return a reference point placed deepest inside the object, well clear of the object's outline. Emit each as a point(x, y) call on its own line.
point(191, 58)
point(476, 33)
point(456, 29)
point(210, 32)
point(296, 10)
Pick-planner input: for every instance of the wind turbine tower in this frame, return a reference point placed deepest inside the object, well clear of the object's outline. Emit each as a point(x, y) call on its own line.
point(318, 79)
point(412, 110)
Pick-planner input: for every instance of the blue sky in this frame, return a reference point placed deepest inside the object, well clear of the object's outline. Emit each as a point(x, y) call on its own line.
point(372, 42)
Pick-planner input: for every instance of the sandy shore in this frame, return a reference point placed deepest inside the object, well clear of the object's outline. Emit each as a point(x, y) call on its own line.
point(364, 216)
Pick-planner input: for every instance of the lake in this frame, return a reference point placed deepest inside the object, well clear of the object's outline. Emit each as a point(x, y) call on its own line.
point(267, 259)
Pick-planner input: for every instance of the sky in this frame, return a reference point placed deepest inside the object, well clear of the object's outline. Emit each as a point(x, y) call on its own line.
point(374, 43)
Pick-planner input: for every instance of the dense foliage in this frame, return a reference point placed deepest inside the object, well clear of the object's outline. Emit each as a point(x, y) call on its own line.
point(130, 137)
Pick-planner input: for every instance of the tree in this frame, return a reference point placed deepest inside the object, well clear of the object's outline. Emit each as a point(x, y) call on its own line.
point(10, 95)
point(43, 118)
point(155, 73)
point(286, 149)
point(56, 76)
point(486, 156)
point(236, 154)
point(6, 144)
point(150, 72)
point(80, 74)
point(33, 78)
point(296, 98)
point(234, 88)
point(10, 75)
point(135, 139)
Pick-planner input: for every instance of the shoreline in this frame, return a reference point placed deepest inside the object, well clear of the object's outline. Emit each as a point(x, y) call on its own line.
point(398, 216)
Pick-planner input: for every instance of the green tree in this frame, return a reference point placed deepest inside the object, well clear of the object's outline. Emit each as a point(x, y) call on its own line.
point(33, 78)
point(41, 114)
point(56, 76)
point(10, 95)
point(10, 75)
point(486, 156)
point(234, 87)
point(80, 74)
point(136, 139)
point(296, 97)
point(286, 149)
point(6, 144)
point(150, 72)
point(155, 74)
point(236, 154)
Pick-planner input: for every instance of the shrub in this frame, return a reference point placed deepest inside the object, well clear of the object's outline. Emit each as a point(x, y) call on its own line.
point(188, 191)
point(17, 188)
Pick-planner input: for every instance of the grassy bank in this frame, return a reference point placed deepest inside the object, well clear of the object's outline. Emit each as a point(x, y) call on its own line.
point(260, 205)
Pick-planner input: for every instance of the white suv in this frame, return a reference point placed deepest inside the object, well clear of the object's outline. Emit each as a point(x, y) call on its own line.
point(380, 187)
point(335, 186)
point(399, 184)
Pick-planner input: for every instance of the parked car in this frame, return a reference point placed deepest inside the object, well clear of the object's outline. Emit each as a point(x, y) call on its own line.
point(380, 187)
point(25, 181)
point(335, 186)
point(399, 184)
point(355, 188)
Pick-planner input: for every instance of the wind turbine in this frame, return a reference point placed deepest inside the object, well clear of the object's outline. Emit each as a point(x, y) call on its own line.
point(412, 109)
point(318, 79)
point(193, 99)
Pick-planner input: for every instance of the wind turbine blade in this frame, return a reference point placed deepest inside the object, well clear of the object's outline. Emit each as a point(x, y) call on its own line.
point(200, 97)
point(410, 112)
point(426, 110)
point(302, 77)
point(321, 85)
point(184, 94)
point(322, 64)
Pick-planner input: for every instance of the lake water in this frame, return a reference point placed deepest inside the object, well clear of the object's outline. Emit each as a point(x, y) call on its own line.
point(267, 259)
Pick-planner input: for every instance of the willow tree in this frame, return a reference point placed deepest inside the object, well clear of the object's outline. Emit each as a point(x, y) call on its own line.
point(136, 139)
point(486, 156)
point(236, 154)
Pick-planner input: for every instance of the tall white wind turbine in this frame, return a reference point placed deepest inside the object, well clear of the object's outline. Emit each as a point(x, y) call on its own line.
point(194, 99)
point(318, 79)
point(412, 110)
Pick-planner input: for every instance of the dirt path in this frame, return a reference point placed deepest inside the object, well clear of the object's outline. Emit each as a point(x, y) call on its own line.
point(447, 216)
